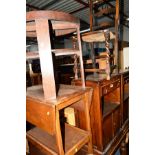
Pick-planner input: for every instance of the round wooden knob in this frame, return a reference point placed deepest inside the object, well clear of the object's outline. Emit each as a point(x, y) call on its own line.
point(111, 85)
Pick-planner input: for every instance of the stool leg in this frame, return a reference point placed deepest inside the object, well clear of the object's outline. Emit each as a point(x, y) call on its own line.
point(123, 149)
point(88, 128)
point(59, 135)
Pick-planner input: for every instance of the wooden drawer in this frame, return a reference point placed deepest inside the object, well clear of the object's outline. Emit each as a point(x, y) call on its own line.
point(116, 120)
point(107, 82)
point(107, 129)
point(110, 87)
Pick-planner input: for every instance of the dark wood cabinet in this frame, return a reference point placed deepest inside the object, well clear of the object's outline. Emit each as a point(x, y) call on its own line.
point(105, 112)
point(125, 110)
point(116, 120)
point(107, 129)
point(125, 95)
point(109, 111)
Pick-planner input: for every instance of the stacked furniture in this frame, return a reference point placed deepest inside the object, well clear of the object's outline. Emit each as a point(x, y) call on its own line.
point(109, 111)
point(45, 103)
point(100, 32)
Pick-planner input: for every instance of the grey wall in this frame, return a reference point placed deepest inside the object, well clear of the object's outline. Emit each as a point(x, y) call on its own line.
point(125, 33)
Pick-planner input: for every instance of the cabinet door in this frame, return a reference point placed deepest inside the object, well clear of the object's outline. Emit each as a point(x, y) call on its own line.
point(125, 110)
point(116, 120)
point(107, 129)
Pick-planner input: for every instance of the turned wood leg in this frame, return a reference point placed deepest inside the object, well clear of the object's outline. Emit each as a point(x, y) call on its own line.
point(123, 148)
point(75, 67)
point(107, 38)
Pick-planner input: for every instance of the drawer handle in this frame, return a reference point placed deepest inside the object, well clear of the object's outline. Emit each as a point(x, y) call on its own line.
point(105, 91)
point(111, 85)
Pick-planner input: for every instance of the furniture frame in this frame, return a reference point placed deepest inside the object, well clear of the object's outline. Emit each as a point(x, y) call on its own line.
point(96, 11)
point(104, 60)
point(125, 95)
point(44, 25)
point(44, 103)
point(49, 137)
point(106, 113)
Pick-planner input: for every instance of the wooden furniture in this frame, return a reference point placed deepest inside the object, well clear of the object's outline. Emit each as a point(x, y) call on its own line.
point(54, 24)
point(125, 95)
point(106, 113)
point(51, 137)
point(105, 65)
point(99, 32)
point(100, 9)
point(45, 103)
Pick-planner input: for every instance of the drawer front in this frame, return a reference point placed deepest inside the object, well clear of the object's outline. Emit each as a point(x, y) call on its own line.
point(116, 120)
point(110, 87)
point(107, 129)
point(113, 79)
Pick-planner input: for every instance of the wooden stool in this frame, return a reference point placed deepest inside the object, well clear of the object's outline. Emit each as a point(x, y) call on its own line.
point(100, 36)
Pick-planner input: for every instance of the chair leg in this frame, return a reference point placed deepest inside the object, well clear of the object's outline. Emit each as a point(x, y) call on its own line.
point(123, 149)
point(59, 135)
point(88, 128)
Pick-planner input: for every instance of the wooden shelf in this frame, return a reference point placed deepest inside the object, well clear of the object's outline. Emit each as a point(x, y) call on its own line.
point(105, 11)
point(95, 70)
point(109, 107)
point(96, 36)
point(57, 52)
point(104, 25)
point(98, 58)
point(74, 137)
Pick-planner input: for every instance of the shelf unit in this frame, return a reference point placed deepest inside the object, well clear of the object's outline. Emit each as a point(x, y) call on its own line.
point(44, 103)
point(74, 137)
